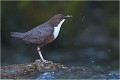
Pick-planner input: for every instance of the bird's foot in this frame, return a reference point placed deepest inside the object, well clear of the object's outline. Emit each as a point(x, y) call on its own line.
point(44, 61)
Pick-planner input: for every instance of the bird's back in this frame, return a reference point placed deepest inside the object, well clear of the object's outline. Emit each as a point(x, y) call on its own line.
point(36, 35)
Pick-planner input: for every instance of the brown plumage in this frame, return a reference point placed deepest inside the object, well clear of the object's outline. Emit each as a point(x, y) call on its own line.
point(42, 34)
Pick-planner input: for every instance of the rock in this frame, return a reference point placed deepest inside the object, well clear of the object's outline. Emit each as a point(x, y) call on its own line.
point(20, 70)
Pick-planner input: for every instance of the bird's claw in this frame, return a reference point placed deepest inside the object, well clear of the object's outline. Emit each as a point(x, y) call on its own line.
point(43, 61)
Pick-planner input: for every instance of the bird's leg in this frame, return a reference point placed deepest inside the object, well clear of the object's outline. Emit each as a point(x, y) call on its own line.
point(40, 54)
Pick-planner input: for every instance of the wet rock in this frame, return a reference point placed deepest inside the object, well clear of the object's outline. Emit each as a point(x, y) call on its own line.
point(20, 70)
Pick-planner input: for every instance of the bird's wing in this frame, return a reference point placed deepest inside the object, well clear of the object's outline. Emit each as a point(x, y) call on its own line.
point(38, 34)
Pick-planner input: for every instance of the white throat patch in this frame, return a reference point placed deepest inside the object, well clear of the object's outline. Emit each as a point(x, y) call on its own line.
point(57, 29)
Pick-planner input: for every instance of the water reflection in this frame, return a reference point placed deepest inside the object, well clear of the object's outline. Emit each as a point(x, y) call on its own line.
point(75, 73)
point(46, 75)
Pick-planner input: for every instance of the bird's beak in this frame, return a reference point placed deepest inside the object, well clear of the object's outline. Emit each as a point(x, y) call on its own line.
point(68, 16)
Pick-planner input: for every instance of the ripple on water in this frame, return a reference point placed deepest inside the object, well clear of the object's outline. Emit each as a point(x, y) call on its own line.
point(80, 73)
point(46, 75)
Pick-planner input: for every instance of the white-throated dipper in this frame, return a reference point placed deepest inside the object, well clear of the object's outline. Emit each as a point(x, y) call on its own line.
point(44, 33)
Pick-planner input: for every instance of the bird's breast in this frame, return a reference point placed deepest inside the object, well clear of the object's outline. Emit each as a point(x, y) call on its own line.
point(57, 29)
point(54, 34)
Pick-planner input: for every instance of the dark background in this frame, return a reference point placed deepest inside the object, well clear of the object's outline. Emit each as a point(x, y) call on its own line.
point(91, 37)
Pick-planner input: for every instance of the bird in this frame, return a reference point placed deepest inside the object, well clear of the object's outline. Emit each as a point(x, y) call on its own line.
point(43, 34)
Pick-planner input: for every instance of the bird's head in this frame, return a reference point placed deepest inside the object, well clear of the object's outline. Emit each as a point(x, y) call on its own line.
point(55, 20)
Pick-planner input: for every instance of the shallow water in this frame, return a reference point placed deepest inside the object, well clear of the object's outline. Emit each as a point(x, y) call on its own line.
point(74, 73)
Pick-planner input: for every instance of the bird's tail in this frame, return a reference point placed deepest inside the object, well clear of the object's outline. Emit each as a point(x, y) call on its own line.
point(17, 34)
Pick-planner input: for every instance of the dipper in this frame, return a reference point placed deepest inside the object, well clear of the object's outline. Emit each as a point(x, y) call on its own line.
point(44, 33)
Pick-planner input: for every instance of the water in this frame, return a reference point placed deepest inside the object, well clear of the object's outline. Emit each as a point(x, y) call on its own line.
point(78, 73)
point(46, 75)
